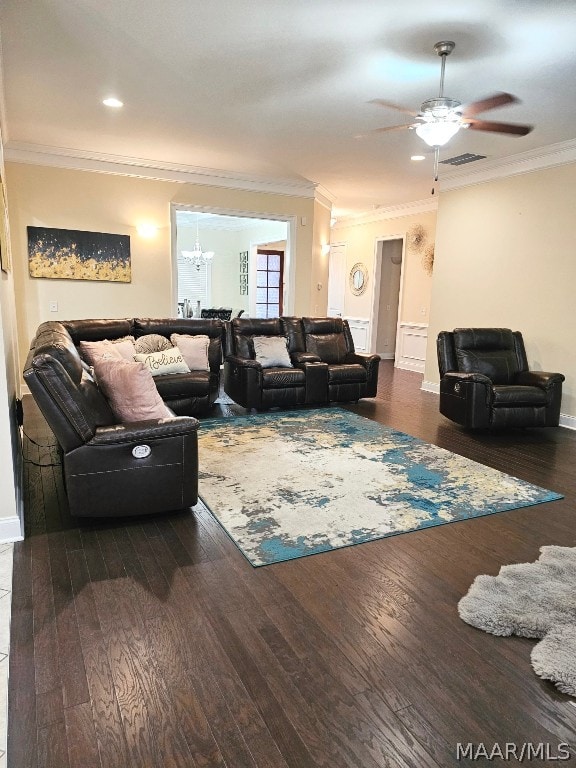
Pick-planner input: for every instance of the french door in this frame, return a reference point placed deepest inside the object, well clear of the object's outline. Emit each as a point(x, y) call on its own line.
point(269, 282)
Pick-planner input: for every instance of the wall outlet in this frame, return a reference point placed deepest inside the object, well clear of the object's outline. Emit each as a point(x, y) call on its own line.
point(53, 306)
point(423, 311)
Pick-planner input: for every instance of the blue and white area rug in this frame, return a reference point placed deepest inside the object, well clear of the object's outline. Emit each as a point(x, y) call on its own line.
point(289, 484)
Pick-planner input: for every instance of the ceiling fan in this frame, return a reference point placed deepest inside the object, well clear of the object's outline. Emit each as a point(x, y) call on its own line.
point(440, 118)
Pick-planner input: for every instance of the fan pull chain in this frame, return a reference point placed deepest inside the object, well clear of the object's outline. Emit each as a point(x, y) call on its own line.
point(436, 157)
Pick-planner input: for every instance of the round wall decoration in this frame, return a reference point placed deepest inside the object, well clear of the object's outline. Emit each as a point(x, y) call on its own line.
point(428, 259)
point(416, 237)
point(358, 278)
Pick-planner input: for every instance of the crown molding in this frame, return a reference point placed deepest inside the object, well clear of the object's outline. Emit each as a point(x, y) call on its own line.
point(390, 212)
point(549, 156)
point(99, 162)
point(324, 196)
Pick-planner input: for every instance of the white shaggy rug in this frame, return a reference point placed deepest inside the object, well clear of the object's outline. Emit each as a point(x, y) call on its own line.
point(532, 600)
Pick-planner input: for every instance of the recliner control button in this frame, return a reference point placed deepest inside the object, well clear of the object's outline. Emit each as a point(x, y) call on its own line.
point(141, 451)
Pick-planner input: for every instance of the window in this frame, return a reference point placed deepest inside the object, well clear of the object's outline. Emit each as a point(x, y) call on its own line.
point(194, 283)
point(269, 274)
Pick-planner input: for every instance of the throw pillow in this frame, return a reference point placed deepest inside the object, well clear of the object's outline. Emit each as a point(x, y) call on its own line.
point(272, 351)
point(99, 350)
point(161, 363)
point(151, 342)
point(130, 390)
point(125, 346)
point(194, 350)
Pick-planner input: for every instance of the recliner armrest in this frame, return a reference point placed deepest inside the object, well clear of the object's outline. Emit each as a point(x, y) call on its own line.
point(153, 429)
point(542, 379)
point(362, 358)
point(474, 377)
point(298, 358)
point(134, 469)
point(245, 362)
point(371, 364)
point(466, 398)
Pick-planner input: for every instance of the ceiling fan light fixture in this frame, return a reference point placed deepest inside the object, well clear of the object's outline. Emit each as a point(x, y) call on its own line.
point(436, 133)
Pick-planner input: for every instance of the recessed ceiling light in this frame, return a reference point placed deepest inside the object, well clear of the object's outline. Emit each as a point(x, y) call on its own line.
point(112, 102)
point(418, 157)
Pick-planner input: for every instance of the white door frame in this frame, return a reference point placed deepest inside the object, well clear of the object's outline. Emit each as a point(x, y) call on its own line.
point(289, 255)
point(377, 274)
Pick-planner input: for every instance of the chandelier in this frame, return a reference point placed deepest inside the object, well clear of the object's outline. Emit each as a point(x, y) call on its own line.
point(197, 256)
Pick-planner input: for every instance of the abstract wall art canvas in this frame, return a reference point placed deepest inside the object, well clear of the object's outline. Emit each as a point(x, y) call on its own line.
point(68, 254)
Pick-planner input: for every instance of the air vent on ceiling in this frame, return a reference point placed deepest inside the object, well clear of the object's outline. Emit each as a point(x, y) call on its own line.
point(467, 157)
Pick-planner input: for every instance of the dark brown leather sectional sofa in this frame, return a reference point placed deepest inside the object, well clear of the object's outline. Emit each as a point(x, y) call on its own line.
point(103, 472)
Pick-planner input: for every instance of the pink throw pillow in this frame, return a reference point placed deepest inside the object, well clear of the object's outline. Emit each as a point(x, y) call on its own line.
point(125, 347)
point(130, 390)
point(194, 350)
point(99, 350)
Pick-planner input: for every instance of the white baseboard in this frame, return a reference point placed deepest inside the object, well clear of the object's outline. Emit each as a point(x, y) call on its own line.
point(410, 365)
point(568, 422)
point(430, 386)
point(10, 529)
point(386, 355)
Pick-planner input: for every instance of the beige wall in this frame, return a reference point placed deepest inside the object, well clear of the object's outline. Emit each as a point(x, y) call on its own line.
point(54, 197)
point(506, 256)
point(318, 274)
point(360, 242)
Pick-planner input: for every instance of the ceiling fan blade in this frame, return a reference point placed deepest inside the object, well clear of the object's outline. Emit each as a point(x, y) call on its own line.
point(490, 102)
point(382, 130)
point(513, 129)
point(390, 105)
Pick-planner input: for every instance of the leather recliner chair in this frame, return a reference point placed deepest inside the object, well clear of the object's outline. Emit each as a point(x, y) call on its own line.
point(485, 381)
point(351, 374)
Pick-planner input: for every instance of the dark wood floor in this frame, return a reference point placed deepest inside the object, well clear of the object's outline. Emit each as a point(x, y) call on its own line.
point(155, 643)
